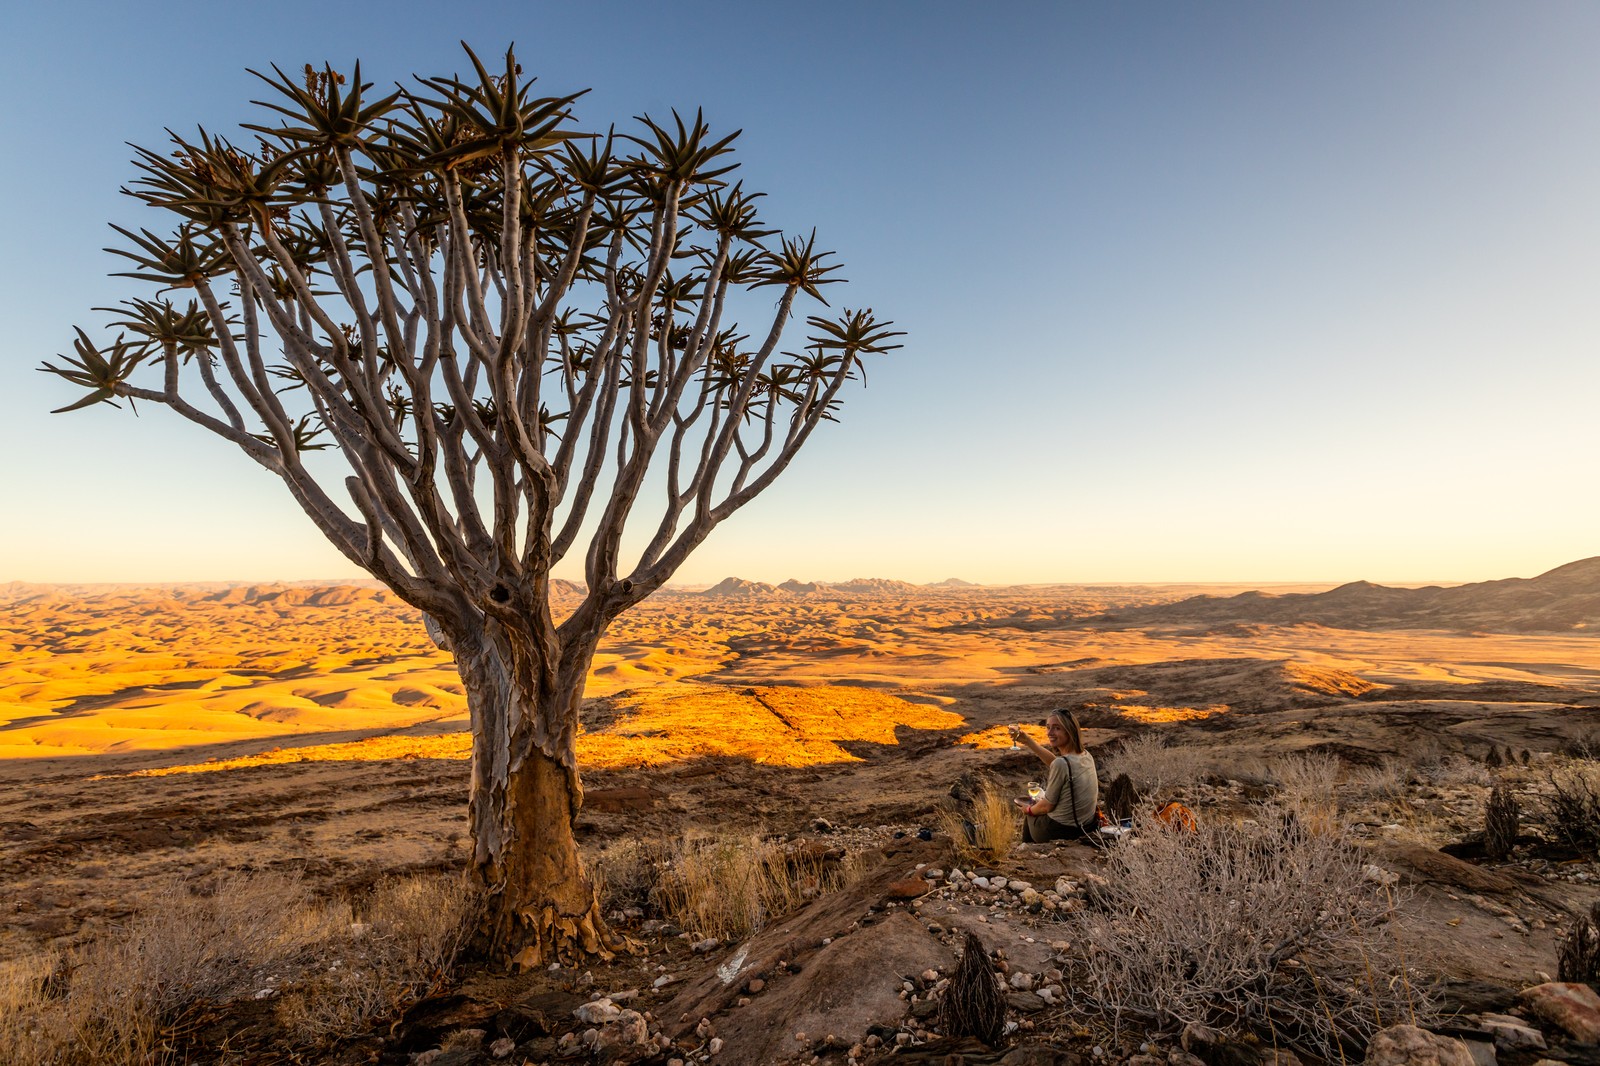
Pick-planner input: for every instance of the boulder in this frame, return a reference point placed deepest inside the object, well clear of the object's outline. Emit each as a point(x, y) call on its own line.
point(1573, 1007)
point(1408, 1045)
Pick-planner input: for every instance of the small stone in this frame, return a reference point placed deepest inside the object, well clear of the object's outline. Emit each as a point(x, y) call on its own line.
point(628, 1030)
point(902, 1039)
point(1018, 887)
point(908, 888)
point(703, 1030)
point(1021, 981)
point(663, 981)
point(597, 1012)
point(710, 943)
point(980, 882)
point(1512, 1034)
point(754, 985)
point(715, 1047)
point(1407, 1045)
point(933, 875)
point(998, 882)
point(1378, 875)
point(502, 1048)
point(1026, 1002)
point(1195, 1036)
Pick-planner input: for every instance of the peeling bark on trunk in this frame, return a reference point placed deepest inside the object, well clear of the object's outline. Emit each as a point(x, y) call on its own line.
point(542, 905)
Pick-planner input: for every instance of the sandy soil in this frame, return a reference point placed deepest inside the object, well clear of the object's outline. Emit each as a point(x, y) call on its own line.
point(151, 733)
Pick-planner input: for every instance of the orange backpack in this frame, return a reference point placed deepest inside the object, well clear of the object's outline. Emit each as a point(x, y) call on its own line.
point(1177, 816)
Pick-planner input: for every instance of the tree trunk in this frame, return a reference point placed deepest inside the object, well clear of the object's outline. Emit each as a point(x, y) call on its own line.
point(541, 904)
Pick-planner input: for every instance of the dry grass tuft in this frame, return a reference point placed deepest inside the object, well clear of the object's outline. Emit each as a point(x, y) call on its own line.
point(629, 871)
point(1271, 928)
point(1383, 784)
point(995, 823)
point(123, 998)
point(729, 886)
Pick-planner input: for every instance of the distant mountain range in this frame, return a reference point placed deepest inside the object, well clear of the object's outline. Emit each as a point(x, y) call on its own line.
point(739, 588)
point(1563, 599)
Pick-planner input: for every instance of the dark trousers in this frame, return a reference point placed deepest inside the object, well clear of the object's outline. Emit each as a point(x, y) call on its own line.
point(1039, 828)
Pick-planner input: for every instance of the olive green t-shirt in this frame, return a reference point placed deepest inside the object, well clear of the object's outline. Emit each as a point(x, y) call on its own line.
point(1084, 786)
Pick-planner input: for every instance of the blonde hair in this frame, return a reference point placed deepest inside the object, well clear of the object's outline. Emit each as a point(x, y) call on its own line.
point(1069, 722)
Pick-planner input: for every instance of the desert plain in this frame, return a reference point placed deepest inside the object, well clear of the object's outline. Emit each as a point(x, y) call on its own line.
point(158, 734)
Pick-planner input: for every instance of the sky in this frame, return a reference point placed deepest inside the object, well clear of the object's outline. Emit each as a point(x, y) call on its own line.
point(1221, 292)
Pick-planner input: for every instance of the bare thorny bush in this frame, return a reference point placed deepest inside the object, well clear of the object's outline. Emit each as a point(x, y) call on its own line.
point(1571, 809)
point(333, 967)
point(1264, 927)
point(1156, 766)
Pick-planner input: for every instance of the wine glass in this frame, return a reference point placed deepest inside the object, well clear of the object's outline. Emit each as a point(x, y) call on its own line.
point(1035, 790)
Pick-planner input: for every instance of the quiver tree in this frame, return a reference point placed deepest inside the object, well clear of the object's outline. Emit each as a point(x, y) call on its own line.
point(513, 339)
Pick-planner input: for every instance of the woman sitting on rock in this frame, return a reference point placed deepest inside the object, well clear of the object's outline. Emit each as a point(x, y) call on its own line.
point(1071, 793)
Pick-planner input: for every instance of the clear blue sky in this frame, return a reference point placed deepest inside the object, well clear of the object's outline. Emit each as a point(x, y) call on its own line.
point(1194, 292)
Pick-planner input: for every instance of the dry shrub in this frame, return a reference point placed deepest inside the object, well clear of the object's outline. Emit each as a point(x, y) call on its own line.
point(120, 999)
point(1456, 771)
point(30, 1028)
point(1155, 765)
point(1571, 812)
point(995, 825)
point(1270, 928)
point(1501, 818)
point(1385, 782)
point(629, 871)
point(729, 886)
point(179, 953)
point(1578, 958)
point(1307, 785)
point(392, 948)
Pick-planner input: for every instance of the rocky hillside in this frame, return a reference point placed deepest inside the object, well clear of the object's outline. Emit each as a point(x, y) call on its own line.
point(1566, 598)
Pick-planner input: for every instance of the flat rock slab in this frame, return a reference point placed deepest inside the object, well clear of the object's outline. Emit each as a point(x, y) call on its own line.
point(612, 800)
point(847, 987)
point(1573, 1007)
point(796, 939)
point(1417, 864)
